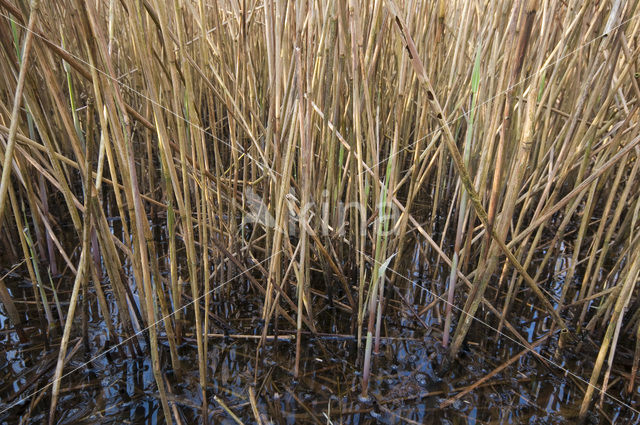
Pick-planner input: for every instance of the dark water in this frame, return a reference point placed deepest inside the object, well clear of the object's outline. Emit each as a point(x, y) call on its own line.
point(411, 374)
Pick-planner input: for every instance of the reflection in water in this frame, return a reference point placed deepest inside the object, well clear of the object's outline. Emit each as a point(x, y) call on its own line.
point(412, 375)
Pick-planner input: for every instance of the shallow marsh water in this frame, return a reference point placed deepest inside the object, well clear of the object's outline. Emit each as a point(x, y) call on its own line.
point(411, 375)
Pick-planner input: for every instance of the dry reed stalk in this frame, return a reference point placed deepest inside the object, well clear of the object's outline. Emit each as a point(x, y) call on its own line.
point(620, 305)
point(81, 277)
point(17, 101)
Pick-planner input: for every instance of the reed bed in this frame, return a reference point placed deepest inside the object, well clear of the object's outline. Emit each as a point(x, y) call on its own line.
point(276, 141)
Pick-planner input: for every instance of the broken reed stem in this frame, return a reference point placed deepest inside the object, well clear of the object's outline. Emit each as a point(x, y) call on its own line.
point(493, 373)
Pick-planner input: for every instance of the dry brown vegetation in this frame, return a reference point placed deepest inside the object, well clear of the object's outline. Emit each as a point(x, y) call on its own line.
point(499, 131)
